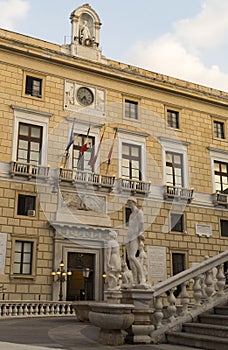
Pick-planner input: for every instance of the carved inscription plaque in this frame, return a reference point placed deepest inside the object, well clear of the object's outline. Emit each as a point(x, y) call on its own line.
point(156, 263)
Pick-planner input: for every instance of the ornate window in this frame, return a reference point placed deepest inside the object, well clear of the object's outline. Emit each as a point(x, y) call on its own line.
point(221, 176)
point(131, 161)
point(83, 152)
point(174, 169)
point(23, 257)
point(29, 143)
point(30, 135)
point(175, 162)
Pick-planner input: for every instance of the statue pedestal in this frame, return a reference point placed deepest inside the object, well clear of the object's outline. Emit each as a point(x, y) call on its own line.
point(113, 296)
point(140, 330)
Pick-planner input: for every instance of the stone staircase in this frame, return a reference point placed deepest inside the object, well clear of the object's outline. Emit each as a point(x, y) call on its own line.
point(209, 331)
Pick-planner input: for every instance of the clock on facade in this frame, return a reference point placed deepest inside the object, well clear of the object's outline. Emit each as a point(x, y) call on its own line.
point(85, 96)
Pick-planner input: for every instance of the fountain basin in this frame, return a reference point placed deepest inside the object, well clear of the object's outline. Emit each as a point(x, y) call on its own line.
point(82, 309)
point(111, 319)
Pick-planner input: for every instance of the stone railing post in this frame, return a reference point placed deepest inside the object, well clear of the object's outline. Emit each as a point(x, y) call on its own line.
point(172, 304)
point(221, 280)
point(197, 292)
point(158, 312)
point(184, 299)
point(209, 289)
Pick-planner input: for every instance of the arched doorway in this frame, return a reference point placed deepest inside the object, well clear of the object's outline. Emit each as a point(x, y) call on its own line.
point(80, 287)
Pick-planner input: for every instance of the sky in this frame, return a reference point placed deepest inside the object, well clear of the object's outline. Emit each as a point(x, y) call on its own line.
point(179, 38)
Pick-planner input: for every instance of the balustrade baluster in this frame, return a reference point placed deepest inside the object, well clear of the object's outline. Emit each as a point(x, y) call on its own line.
point(158, 313)
point(25, 309)
point(4, 310)
point(52, 309)
point(48, 309)
point(36, 309)
point(209, 289)
point(221, 280)
point(10, 309)
point(184, 298)
point(197, 292)
point(57, 311)
point(172, 304)
point(42, 309)
point(20, 310)
point(68, 310)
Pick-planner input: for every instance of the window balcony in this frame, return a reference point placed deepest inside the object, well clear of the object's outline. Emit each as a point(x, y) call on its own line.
point(133, 186)
point(220, 198)
point(29, 170)
point(86, 178)
point(178, 193)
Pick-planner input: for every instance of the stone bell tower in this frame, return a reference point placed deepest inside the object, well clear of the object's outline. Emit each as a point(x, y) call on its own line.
point(85, 33)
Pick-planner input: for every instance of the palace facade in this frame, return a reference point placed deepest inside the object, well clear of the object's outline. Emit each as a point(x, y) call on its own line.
point(80, 134)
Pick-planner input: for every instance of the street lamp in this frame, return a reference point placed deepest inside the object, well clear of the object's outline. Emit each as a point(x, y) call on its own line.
point(61, 278)
point(85, 273)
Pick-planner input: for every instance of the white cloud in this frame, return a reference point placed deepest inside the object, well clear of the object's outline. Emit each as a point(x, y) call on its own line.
point(179, 54)
point(11, 11)
point(208, 28)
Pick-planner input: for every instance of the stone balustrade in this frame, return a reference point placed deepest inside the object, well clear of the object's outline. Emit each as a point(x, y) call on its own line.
point(189, 293)
point(86, 177)
point(30, 308)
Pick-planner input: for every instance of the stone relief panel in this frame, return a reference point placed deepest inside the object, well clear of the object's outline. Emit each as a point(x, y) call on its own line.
point(84, 201)
point(83, 208)
point(71, 102)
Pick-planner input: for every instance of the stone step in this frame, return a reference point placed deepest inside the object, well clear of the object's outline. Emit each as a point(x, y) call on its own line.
point(221, 310)
point(206, 329)
point(197, 340)
point(213, 319)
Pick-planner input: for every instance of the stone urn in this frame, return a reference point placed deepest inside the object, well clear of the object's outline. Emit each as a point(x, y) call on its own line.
point(82, 309)
point(111, 319)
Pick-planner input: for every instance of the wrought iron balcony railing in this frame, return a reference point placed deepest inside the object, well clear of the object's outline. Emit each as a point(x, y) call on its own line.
point(178, 193)
point(220, 198)
point(29, 170)
point(86, 177)
point(133, 186)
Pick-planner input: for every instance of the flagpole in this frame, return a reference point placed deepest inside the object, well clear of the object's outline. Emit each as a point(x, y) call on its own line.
point(93, 162)
point(84, 147)
point(111, 150)
point(70, 142)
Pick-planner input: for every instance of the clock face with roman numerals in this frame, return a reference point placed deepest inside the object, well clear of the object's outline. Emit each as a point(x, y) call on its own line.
point(85, 96)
